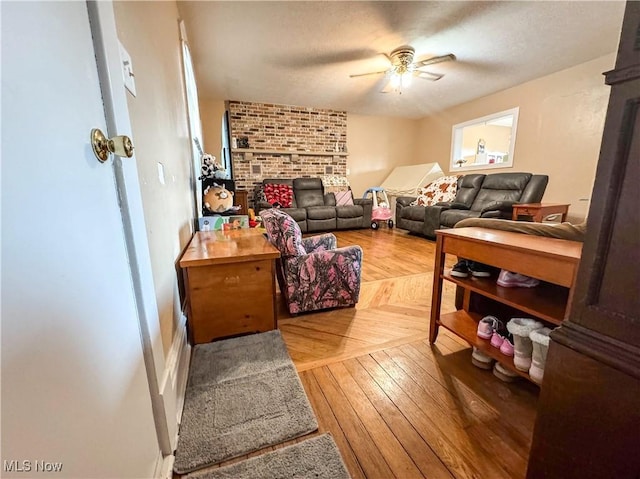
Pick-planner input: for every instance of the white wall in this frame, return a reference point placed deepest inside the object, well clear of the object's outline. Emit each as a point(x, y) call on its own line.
point(559, 130)
point(376, 146)
point(150, 33)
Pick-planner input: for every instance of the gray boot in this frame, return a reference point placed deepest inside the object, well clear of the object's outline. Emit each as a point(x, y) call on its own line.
point(540, 340)
point(520, 328)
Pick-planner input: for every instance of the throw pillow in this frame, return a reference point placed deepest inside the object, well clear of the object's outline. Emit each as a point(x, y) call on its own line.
point(343, 198)
point(443, 189)
point(334, 180)
point(279, 195)
point(334, 183)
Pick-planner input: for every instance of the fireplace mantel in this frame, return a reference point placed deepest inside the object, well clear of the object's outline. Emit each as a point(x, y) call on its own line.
point(249, 152)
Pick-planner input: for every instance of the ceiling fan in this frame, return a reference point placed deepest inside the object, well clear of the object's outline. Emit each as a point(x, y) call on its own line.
point(403, 68)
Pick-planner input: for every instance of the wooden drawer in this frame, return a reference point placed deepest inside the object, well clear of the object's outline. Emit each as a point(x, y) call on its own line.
point(231, 299)
point(526, 212)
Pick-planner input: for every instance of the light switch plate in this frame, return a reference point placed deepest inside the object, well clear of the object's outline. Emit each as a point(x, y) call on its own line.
point(161, 173)
point(127, 70)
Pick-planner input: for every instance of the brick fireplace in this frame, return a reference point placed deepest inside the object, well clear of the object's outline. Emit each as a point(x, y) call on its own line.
point(285, 142)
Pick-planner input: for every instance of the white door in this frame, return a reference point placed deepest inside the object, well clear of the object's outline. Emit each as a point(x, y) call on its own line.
point(75, 393)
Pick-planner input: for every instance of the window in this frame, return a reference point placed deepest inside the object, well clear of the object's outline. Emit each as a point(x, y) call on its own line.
point(484, 143)
point(193, 111)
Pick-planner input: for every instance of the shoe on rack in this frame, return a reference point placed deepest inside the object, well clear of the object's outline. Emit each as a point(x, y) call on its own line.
point(500, 335)
point(503, 373)
point(540, 341)
point(506, 347)
point(487, 326)
point(520, 328)
point(508, 279)
point(481, 360)
point(479, 270)
point(460, 269)
point(497, 338)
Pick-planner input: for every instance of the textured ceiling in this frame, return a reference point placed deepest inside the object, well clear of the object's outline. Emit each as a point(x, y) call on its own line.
point(302, 53)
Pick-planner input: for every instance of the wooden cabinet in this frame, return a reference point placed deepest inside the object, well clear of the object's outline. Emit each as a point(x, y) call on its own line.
point(551, 260)
point(230, 284)
point(241, 199)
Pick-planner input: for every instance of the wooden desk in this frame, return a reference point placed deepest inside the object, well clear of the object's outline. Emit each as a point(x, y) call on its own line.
point(539, 210)
point(554, 261)
point(230, 284)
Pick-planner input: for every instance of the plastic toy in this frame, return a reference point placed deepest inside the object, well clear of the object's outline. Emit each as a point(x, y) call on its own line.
point(381, 211)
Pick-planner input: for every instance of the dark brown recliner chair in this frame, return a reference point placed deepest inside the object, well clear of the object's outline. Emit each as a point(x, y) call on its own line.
point(321, 207)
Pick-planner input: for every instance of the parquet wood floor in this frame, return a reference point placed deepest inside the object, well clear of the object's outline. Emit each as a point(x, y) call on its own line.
point(396, 406)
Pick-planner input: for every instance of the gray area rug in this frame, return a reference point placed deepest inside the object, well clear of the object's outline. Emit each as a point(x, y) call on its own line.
point(317, 458)
point(243, 394)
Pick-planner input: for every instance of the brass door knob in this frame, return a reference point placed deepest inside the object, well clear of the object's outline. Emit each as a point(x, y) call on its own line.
point(118, 145)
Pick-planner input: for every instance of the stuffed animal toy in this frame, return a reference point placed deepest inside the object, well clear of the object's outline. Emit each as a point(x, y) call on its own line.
point(211, 168)
point(217, 199)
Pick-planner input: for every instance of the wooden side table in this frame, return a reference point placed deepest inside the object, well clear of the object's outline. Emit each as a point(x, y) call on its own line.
point(230, 284)
point(539, 210)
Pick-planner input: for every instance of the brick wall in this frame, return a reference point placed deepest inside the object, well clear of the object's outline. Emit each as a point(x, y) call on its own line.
point(286, 128)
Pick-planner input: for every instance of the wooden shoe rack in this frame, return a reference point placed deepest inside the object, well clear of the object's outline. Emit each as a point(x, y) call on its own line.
point(553, 261)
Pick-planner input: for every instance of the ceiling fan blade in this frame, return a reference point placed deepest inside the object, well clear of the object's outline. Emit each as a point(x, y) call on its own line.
point(434, 60)
point(428, 75)
point(367, 74)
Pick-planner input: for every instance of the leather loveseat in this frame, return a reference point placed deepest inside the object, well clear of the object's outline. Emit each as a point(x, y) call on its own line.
point(478, 196)
point(315, 210)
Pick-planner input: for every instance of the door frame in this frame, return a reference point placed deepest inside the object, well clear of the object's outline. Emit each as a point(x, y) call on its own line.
point(106, 45)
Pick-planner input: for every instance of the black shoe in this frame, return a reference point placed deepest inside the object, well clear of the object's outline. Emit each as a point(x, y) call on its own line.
point(460, 269)
point(479, 270)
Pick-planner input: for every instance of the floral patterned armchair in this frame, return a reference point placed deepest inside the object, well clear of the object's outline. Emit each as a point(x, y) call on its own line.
point(312, 273)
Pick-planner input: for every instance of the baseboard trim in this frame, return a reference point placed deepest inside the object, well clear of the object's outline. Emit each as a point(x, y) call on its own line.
point(166, 471)
point(173, 385)
point(182, 370)
point(159, 466)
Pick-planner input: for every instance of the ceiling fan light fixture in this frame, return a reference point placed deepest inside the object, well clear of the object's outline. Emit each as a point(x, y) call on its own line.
point(403, 69)
point(401, 77)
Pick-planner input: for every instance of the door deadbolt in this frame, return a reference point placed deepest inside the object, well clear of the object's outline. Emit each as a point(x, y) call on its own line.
point(118, 145)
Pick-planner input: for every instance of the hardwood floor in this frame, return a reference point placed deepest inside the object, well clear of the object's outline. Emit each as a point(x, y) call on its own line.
point(396, 406)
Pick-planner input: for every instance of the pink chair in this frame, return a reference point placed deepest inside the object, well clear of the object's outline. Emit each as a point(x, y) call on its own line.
point(312, 273)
